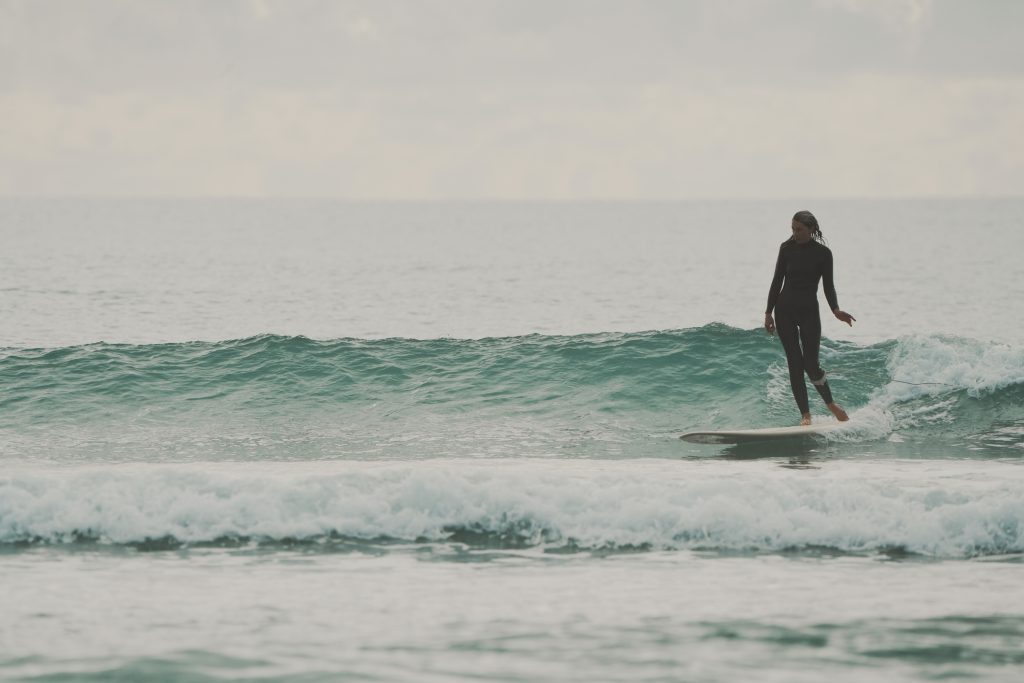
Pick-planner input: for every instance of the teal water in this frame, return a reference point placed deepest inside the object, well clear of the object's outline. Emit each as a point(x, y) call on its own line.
point(598, 395)
point(310, 441)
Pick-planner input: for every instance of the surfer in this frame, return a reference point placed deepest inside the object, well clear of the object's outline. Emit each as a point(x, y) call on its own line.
point(803, 261)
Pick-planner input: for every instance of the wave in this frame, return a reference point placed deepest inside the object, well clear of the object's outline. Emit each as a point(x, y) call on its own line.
point(613, 387)
point(270, 369)
point(953, 511)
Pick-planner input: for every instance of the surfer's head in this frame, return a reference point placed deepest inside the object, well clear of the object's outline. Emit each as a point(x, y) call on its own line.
point(805, 228)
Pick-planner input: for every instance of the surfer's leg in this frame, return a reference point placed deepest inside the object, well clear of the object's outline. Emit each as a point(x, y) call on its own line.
point(810, 337)
point(838, 411)
point(789, 335)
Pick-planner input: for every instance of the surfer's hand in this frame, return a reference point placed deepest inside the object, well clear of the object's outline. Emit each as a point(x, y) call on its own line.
point(769, 323)
point(844, 316)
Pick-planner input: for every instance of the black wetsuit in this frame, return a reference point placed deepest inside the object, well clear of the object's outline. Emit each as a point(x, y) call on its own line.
point(795, 304)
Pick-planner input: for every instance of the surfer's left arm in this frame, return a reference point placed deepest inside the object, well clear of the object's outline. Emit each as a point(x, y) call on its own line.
point(844, 316)
point(829, 286)
point(827, 283)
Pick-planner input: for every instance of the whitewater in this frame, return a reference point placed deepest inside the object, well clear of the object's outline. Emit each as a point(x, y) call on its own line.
point(259, 440)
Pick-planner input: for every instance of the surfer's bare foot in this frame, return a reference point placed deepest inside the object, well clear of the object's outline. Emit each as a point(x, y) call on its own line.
point(805, 420)
point(838, 412)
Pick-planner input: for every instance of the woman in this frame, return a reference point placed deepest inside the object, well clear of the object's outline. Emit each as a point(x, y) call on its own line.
point(803, 260)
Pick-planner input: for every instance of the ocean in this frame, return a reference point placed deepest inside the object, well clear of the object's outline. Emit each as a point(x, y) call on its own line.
point(259, 440)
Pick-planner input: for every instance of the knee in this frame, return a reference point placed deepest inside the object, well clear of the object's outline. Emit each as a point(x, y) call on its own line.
point(817, 376)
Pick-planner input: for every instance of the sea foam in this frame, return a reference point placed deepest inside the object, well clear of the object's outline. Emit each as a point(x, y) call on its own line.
point(953, 510)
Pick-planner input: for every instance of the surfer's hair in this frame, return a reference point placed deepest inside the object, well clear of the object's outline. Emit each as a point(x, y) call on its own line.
point(807, 219)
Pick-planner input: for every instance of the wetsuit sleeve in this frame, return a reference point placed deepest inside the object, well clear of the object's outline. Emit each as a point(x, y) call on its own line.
point(780, 275)
point(826, 281)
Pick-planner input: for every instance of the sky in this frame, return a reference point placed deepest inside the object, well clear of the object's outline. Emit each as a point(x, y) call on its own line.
point(512, 99)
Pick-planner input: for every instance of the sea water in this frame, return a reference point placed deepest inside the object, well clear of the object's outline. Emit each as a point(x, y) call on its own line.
point(304, 441)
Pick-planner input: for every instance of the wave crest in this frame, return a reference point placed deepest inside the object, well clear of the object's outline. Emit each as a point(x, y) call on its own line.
point(292, 397)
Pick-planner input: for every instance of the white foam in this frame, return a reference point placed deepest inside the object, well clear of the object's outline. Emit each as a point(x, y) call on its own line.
point(929, 365)
point(947, 509)
point(934, 368)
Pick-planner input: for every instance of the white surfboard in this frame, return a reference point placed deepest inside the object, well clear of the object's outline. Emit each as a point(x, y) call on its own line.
point(736, 436)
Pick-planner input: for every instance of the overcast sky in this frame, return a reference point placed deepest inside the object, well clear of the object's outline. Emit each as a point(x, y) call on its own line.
point(512, 99)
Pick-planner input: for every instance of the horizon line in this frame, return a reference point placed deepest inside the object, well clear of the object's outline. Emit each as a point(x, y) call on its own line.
point(497, 200)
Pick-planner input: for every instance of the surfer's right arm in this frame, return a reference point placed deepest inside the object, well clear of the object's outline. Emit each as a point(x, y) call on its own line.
point(773, 292)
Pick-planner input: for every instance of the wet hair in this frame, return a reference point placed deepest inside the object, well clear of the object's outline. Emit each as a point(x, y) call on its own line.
point(807, 219)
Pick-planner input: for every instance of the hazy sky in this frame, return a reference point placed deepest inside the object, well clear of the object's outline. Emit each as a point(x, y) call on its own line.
point(512, 99)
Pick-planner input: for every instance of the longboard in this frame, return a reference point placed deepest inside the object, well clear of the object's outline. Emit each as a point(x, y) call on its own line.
point(735, 436)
